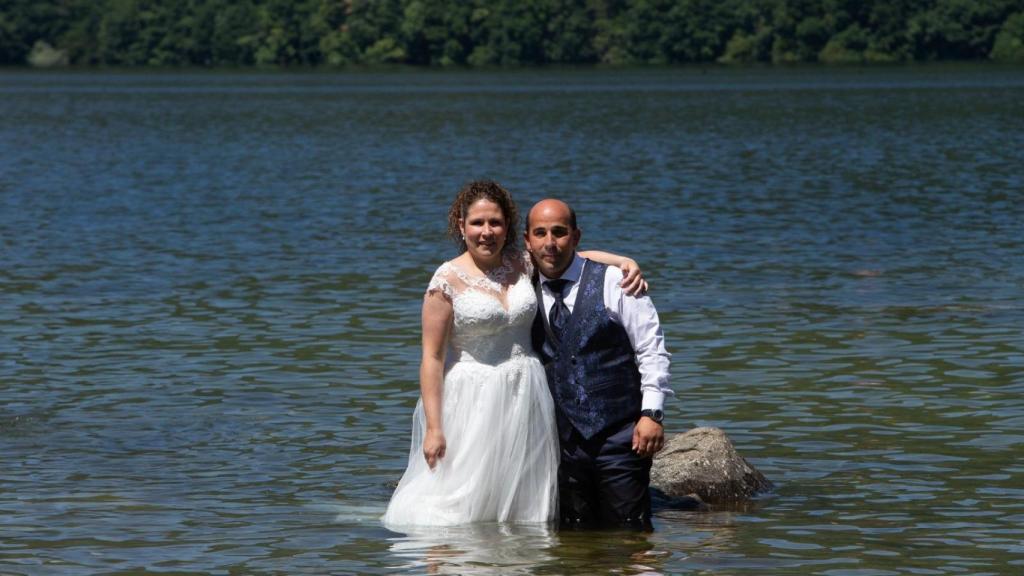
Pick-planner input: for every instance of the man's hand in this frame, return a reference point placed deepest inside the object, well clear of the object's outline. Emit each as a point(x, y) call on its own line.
point(648, 437)
point(633, 283)
point(433, 447)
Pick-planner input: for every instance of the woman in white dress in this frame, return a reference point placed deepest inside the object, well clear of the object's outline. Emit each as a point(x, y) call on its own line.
point(484, 444)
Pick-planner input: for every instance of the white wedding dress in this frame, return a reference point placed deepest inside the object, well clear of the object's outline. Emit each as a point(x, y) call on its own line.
point(501, 457)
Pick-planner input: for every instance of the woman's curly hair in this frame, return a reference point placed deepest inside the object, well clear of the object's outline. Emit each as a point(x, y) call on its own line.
point(488, 190)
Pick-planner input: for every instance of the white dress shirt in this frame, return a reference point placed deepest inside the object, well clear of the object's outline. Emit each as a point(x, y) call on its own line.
point(636, 314)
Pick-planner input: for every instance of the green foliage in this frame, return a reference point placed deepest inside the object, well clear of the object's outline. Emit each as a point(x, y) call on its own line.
point(957, 28)
point(233, 35)
point(746, 48)
point(1009, 45)
point(849, 46)
point(11, 47)
point(569, 33)
point(698, 31)
point(504, 32)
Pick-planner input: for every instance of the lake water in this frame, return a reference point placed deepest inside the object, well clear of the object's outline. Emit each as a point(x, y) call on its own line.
point(210, 288)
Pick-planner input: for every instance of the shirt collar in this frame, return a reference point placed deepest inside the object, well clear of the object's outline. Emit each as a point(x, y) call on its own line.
point(573, 272)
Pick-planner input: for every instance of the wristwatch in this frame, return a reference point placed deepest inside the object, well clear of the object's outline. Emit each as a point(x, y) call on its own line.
point(656, 415)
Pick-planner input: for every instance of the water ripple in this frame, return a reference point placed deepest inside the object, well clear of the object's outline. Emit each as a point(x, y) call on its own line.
point(210, 309)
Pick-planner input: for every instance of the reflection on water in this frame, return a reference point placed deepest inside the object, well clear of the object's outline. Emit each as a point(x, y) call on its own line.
point(701, 540)
point(695, 540)
point(475, 549)
point(486, 549)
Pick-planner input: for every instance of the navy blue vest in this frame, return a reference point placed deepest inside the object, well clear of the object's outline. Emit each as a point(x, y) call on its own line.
point(592, 373)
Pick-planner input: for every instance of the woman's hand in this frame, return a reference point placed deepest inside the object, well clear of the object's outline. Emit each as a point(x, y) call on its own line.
point(633, 283)
point(433, 447)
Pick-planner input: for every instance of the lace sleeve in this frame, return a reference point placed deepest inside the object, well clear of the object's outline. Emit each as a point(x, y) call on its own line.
point(527, 262)
point(441, 281)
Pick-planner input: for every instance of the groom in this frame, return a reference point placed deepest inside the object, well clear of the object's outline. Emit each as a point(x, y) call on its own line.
point(608, 372)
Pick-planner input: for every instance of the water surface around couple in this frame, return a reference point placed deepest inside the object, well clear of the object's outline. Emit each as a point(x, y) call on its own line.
point(210, 288)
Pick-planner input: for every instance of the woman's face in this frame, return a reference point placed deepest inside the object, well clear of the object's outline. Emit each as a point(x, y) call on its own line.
point(485, 230)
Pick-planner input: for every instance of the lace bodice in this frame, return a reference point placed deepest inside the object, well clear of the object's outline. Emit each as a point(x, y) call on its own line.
point(493, 313)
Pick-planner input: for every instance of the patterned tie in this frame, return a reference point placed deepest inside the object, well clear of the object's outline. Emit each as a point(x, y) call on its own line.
point(559, 313)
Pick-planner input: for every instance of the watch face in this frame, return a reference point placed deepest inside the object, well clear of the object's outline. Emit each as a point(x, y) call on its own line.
point(656, 415)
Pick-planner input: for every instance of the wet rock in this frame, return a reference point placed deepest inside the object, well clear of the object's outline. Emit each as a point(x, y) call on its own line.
point(703, 464)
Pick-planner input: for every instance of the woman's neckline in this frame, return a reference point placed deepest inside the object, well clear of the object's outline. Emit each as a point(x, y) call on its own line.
point(479, 272)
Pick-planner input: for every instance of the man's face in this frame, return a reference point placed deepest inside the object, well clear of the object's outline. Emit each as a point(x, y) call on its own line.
point(551, 239)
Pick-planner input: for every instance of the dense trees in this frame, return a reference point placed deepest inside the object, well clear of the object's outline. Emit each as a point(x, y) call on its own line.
point(504, 32)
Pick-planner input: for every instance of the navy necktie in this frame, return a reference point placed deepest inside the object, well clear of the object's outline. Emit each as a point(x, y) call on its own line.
point(558, 316)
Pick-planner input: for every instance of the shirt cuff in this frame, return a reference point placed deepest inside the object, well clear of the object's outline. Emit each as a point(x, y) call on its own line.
point(653, 400)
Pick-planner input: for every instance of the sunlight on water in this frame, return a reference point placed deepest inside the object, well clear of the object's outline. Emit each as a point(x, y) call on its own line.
point(210, 289)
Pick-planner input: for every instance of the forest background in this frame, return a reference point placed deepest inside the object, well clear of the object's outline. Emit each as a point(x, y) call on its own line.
point(311, 33)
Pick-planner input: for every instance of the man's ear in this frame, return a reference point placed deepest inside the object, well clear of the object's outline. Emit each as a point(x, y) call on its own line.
point(577, 234)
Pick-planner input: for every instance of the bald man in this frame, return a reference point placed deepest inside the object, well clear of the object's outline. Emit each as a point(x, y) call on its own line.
point(607, 369)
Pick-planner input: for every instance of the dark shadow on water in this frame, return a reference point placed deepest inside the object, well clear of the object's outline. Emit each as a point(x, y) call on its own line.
point(661, 501)
point(604, 552)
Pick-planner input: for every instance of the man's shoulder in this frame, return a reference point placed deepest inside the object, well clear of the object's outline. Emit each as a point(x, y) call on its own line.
point(612, 272)
point(594, 264)
point(609, 272)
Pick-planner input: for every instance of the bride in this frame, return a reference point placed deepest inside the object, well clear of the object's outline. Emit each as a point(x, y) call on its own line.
point(484, 444)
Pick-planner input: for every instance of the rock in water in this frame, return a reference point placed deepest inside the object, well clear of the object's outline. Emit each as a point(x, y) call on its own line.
point(704, 463)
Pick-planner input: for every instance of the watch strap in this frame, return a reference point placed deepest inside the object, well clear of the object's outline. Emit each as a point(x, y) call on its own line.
point(656, 415)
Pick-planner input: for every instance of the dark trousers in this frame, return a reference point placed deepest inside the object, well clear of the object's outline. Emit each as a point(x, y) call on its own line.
point(602, 483)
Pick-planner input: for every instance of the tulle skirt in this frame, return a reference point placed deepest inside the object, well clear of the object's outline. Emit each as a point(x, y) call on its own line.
point(501, 456)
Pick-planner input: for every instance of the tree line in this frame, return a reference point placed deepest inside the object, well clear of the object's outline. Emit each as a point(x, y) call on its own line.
point(504, 32)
